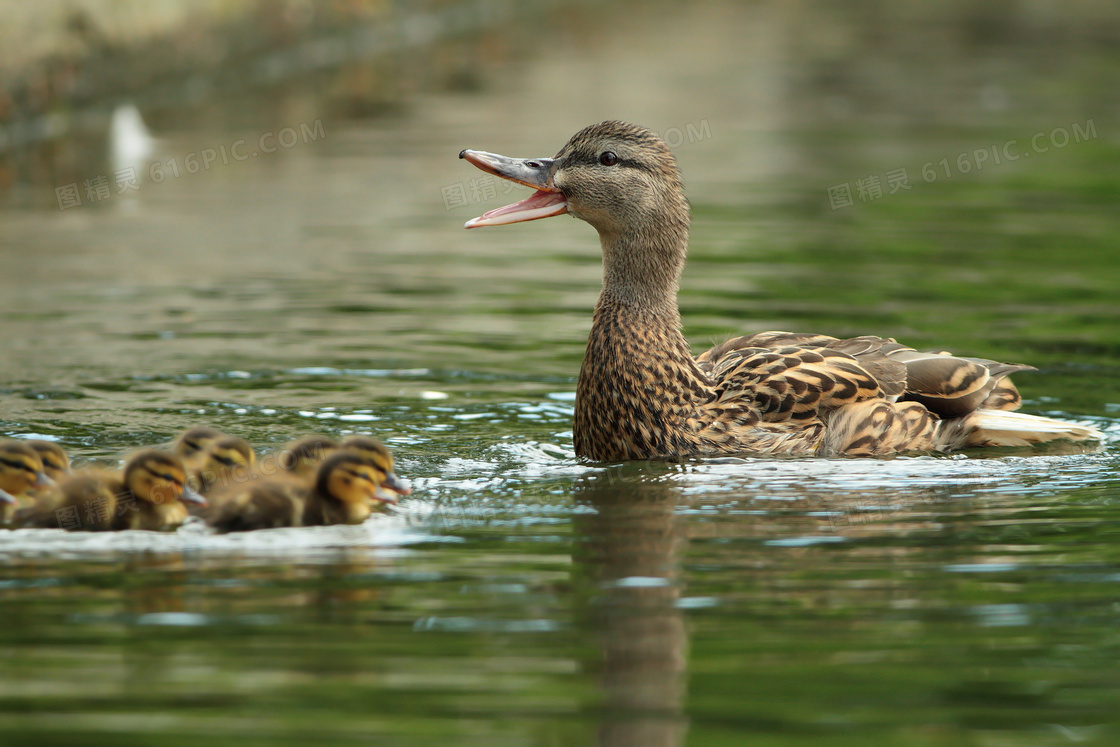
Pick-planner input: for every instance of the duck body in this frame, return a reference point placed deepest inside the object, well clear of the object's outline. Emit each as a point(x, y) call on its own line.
point(642, 394)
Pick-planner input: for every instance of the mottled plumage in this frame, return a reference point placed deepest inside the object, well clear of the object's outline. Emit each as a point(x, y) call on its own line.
point(642, 395)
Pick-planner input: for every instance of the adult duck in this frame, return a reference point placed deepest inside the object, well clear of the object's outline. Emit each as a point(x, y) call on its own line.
point(642, 395)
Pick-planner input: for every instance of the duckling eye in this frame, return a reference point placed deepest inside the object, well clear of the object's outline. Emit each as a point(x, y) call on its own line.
point(608, 158)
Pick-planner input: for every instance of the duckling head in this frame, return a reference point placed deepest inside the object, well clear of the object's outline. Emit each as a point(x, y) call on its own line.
point(193, 442)
point(227, 459)
point(21, 468)
point(303, 456)
point(376, 452)
point(56, 463)
point(155, 476)
point(351, 479)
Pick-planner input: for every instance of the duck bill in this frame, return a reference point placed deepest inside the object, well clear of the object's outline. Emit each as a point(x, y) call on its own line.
point(537, 173)
point(190, 495)
point(42, 480)
point(396, 484)
point(381, 495)
point(6, 497)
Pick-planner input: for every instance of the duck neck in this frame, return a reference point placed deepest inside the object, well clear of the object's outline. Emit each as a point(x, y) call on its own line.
point(642, 268)
point(639, 384)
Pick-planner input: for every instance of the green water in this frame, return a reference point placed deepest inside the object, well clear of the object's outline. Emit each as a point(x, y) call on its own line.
point(523, 597)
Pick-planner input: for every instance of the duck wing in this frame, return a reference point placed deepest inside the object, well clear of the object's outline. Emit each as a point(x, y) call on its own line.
point(789, 376)
point(953, 386)
point(872, 395)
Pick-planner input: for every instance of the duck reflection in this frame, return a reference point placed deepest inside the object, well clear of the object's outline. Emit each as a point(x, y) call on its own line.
point(626, 554)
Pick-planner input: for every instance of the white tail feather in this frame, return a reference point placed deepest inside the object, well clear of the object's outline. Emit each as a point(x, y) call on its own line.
point(1003, 428)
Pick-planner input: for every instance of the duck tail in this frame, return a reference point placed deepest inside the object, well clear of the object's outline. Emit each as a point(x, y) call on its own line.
point(986, 427)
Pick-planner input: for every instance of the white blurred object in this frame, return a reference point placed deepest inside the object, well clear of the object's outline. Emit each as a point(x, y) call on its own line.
point(130, 142)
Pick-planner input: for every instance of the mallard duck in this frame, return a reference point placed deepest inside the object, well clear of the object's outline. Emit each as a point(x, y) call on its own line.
point(21, 473)
point(149, 493)
point(642, 395)
point(346, 485)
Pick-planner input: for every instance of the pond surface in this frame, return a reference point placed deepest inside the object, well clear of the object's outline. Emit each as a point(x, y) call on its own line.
point(522, 596)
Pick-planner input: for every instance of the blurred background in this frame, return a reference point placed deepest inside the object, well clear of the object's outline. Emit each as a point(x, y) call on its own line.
point(248, 213)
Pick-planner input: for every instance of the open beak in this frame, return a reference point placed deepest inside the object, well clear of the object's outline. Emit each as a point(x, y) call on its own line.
point(6, 497)
point(190, 495)
point(537, 173)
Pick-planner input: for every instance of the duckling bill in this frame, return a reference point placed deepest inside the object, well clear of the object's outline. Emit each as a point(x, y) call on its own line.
point(641, 393)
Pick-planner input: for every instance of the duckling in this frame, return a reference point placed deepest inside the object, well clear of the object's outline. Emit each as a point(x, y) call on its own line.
point(56, 462)
point(303, 456)
point(642, 395)
point(346, 485)
point(21, 473)
point(85, 500)
point(191, 447)
point(224, 461)
point(377, 452)
point(149, 493)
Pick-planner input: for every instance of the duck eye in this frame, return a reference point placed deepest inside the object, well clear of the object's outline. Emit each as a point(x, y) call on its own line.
point(608, 158)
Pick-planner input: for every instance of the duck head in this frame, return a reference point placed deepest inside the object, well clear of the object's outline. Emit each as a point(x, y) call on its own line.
point(624, 181)
point(56, 463)
point(226, 460)
point(157, 477)
point(614, 175)
point(21, 469)
point(352, 480)
point(372, 449)
point(303, 456)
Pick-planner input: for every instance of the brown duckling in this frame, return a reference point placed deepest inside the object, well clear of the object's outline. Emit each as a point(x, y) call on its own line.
point(191, 446)
point(21, 474)
point(56, 462)
point(149, 493)
point(346, 484)
point(370, 447)
point(225, 461)
point(303, 456)
point(642, 395)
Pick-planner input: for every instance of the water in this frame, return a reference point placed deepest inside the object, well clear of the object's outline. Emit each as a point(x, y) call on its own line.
point(524, 597)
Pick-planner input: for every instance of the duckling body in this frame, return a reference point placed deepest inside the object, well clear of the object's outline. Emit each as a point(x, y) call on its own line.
point(642, 395)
